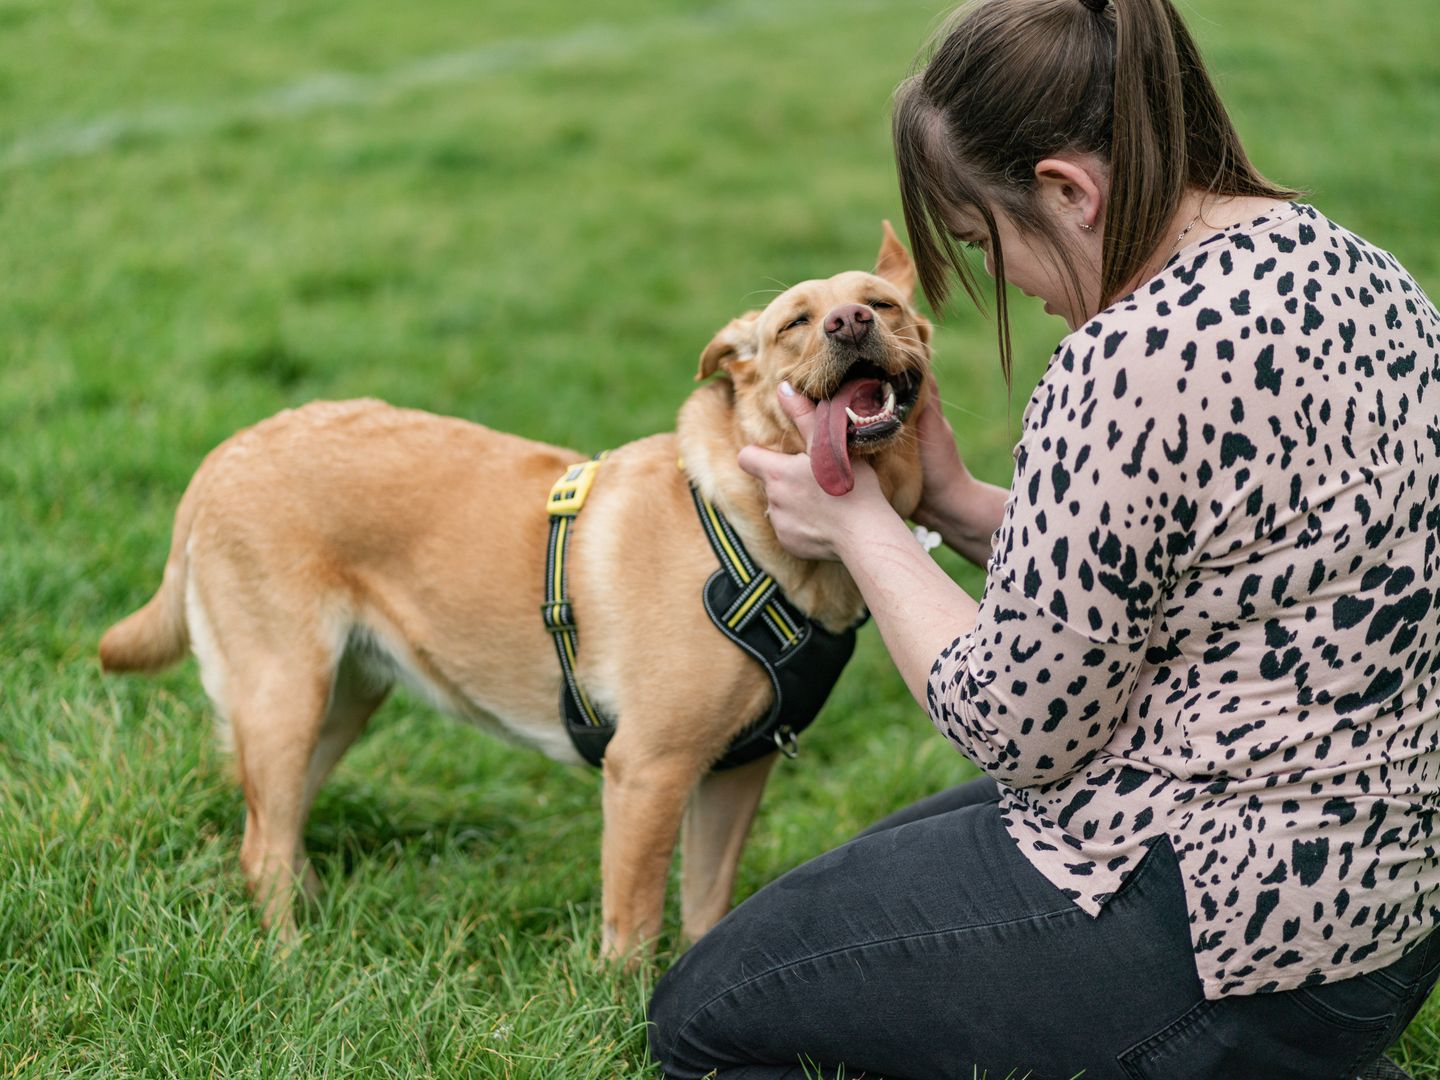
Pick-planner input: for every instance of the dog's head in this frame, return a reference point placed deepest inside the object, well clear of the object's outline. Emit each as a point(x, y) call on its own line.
point(854, 344)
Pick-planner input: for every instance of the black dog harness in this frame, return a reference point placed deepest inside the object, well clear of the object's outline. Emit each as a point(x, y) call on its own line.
point(802, 659)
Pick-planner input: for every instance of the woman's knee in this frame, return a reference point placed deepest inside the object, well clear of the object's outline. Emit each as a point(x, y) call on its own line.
point(668, 1007)
point(725, 1003)
point(677, 1043)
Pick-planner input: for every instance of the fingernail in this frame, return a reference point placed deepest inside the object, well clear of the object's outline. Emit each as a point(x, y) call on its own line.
point(786, 389)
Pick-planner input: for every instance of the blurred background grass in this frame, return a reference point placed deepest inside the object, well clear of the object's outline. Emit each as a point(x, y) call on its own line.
point(532, 213)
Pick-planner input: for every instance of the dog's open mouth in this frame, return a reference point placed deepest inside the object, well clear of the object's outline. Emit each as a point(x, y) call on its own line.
point(865, 411)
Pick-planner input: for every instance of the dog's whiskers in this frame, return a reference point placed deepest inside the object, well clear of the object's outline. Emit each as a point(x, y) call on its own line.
point(800, 365)
point(963, 411)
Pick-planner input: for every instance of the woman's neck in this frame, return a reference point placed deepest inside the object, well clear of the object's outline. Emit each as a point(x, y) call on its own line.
point(1199, 216)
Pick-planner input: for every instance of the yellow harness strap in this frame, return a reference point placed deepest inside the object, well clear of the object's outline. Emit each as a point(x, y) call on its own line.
point(801, 658)
point(567, 497)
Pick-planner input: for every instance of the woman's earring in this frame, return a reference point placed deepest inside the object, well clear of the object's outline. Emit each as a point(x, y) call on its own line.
point(1087, 228)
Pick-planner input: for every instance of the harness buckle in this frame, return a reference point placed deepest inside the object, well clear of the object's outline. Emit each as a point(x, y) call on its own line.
point(558, 617)
point(569, 493)
point(786, 741)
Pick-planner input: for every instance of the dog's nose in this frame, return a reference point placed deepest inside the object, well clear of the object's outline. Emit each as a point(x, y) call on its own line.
point(850, 322)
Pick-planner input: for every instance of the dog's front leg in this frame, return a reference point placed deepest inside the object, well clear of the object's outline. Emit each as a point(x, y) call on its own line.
point(645, 794)
point(716, 823)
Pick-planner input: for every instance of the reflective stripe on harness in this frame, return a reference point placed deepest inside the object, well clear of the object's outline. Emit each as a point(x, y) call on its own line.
point(566, 499)
point(758, 591)
point(802, 659)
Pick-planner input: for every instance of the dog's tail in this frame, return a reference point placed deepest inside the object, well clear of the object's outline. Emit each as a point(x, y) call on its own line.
point(156, 636)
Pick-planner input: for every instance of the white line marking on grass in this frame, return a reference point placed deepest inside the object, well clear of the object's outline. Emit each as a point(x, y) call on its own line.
point(332, 90)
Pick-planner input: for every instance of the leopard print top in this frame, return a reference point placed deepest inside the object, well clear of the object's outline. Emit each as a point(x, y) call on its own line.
point(1210, 612)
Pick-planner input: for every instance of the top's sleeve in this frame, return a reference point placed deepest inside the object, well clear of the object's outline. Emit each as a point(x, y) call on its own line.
point(1097, 517)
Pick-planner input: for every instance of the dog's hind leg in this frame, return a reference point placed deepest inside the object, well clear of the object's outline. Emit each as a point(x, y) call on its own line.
point(644, 799)
point(717, 821)
point(277, 728)
point(358, 691)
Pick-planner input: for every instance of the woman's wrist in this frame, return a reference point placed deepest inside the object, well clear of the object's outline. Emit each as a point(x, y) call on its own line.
point(864, 528)
point(966, 515)
point(917, 607)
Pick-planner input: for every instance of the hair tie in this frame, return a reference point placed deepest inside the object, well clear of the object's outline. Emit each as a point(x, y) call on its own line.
point(1096, 6)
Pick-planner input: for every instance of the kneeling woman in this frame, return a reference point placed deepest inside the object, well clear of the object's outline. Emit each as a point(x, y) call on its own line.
point(1202, 676)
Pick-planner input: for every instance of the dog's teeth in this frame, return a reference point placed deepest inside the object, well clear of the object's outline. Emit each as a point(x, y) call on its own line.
point(888, 413)
point(889, 398)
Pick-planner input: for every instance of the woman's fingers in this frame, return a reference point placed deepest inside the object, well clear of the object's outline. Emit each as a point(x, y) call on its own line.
point(939, 456)
point(806, 520)
point(761, 463)
point(800, 409)
point(798, 510)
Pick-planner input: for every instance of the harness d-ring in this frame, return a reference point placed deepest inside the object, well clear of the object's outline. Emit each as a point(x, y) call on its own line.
point(786, 742)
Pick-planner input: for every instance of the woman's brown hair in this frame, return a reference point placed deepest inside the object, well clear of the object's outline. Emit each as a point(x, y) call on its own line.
point(1011, 82)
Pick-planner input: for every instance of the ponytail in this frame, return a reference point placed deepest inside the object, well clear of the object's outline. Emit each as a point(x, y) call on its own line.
point(1148, 145)
point(1011, 82)
point(1170, 132)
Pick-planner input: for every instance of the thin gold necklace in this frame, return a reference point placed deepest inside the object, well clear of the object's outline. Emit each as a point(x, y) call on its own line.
point(1185, 232)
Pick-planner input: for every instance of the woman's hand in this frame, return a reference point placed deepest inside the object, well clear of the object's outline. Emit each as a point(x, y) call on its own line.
point(964, 511)
point(916, 605)
point(810, 523)
point(945, 474)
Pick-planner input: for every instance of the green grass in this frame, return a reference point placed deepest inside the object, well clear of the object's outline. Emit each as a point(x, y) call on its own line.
point(521, 212)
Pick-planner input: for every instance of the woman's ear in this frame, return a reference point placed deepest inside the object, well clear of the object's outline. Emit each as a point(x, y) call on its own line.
point(1072, 190)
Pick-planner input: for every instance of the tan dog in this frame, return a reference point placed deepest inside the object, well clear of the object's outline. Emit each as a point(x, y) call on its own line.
point(330, 551)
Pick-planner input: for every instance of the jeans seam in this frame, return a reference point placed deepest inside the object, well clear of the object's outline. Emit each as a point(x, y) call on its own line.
point(1432, 957)
point(1304, 997)
point(1374, 1030)
point(778, 968)
point(1129, 1059)
point(1371, 1050)
point(1397, 988)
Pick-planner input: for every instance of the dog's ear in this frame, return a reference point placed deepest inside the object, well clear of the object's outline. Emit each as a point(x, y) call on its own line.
point(922, 328)
point(736, 344)
point(894, 263)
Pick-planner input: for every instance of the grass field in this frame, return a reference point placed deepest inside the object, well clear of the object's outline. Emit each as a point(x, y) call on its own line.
point(532, 213)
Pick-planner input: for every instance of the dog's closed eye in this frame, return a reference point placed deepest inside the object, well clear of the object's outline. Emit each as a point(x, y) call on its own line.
point(799, 320)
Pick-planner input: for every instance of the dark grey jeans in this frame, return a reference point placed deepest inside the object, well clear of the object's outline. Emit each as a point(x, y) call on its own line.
point(930, 948)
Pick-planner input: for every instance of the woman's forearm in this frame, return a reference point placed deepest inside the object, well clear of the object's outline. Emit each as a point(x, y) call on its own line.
point(966, 517)
point(917, 607)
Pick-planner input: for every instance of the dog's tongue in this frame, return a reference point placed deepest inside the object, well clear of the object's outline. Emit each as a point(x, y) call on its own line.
point(829, 447)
